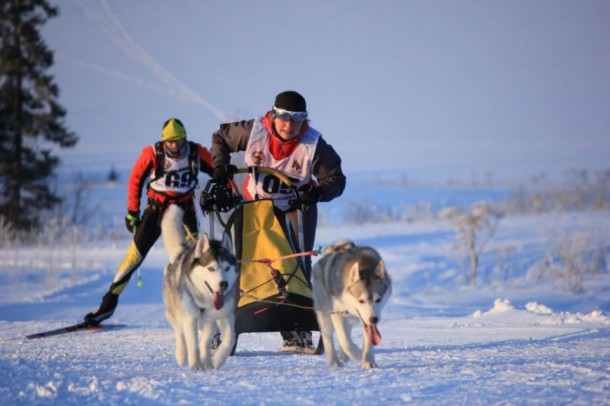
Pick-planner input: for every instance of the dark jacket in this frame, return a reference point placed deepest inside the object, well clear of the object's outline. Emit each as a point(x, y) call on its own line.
point(326, 165)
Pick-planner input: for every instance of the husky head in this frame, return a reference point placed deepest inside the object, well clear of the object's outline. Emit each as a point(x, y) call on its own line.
point(366, 293)
point(213, 268)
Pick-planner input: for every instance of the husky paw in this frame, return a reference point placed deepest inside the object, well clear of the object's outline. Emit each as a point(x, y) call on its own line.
point(334, 362)
point(218, 363)
point(369, 365)
point(221, 356)
point(195, 367)
point(180, 354)
point(208, 365)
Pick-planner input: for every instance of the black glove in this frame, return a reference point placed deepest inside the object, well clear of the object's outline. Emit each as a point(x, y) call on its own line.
point(217, 197)
point(309, 194)
point(132, 221)
point(222, 174)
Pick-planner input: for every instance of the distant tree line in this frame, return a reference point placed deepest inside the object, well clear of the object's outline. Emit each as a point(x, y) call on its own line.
point(581, 190)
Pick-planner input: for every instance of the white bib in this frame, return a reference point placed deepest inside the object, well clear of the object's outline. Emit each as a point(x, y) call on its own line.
point(297, 166)
point(177, 177)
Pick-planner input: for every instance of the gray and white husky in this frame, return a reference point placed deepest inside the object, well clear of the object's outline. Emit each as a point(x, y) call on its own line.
point(200, 293)
point(350, 284)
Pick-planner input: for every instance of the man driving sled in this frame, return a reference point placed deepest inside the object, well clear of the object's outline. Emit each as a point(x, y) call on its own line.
point(283, 140)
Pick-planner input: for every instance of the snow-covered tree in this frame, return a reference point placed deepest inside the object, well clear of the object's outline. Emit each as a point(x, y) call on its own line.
point(473, 230)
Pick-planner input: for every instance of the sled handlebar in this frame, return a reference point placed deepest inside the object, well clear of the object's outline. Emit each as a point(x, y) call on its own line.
point(270, 171)
point(221, 199)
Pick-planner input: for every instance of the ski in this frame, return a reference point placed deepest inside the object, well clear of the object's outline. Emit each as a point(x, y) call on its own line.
point(74, 328)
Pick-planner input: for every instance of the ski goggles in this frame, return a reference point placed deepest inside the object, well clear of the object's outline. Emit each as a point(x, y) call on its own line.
point(296, 116)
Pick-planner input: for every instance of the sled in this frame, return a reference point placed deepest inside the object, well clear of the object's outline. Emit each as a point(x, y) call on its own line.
point(275, 292)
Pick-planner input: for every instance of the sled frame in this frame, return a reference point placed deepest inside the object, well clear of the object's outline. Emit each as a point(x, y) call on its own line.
point(282, 311)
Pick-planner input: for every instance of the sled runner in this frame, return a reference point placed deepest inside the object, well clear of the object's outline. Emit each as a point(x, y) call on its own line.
point(275, 292)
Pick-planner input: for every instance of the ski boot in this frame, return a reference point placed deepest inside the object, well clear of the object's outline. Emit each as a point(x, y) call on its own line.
point(105, 311)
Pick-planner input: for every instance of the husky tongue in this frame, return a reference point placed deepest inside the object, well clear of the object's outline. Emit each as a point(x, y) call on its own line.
point(373, 333)
point(218, 300)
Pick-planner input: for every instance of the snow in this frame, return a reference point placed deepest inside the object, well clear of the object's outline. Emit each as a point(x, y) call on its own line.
point(519, 336)
point(510, 339)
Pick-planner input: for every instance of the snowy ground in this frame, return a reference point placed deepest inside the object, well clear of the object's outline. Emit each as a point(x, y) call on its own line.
point(508, 340)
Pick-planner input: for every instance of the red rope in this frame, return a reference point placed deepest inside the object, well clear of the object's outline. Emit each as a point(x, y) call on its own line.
point(275, 273)
point(281, 302)
point(268, 261)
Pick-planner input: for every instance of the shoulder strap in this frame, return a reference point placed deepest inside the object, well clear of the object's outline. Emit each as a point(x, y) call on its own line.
point(193, 159)
point(159, 159)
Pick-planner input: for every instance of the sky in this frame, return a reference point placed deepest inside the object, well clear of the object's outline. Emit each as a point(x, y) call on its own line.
point(434, 89)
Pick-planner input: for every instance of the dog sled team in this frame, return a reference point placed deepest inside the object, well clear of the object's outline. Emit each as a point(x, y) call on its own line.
point(350, 285)
point(258, 277)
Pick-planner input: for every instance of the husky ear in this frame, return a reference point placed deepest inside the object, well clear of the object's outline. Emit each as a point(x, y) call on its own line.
point(380, 269)
point(202, 245)
point(227, 243)
point(354, 273)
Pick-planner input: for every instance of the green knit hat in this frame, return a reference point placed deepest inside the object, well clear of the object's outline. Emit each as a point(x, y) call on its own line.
point(173, 130)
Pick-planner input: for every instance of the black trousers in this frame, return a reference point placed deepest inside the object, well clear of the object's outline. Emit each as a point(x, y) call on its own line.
point(146, 235)
point(149, 230)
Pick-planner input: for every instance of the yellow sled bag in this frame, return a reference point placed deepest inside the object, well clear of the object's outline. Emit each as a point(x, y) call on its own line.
point(275, 294)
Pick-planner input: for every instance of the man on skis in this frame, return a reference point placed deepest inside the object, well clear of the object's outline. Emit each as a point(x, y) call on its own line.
point(169, 168)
